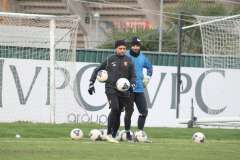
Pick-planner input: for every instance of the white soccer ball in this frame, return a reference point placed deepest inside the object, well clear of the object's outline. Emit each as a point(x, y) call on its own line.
point(18, 136)
point(119, 135)
point(76, 134)
point(95, 134)
point(122, 84)
point(122, 136)
point(102, 75)
point(141, 136)
point(103, 134)
point(198, 137)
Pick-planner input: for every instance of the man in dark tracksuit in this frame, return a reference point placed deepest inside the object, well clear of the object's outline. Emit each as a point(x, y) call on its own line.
point(117, 66)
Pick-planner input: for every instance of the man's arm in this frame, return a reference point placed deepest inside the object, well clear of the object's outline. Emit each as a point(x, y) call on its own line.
point(148, 66)
point(96, 70)
point(91, 88)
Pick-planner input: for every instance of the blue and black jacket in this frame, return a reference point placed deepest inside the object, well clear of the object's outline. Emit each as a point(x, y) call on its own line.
point(140, 62)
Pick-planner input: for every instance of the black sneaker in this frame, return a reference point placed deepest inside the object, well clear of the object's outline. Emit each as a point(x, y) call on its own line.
point(129, 136)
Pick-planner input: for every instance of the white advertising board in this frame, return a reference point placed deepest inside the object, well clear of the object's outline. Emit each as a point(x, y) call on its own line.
point(24, 94)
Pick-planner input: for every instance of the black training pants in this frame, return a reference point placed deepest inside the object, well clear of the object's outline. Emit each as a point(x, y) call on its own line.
point(141, 103)
point(116, 104)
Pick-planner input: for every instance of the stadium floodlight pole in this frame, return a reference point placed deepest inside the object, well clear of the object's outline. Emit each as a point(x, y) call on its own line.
point(52, 70)
point(160, 26)
point(179, 51)
point(96, 17)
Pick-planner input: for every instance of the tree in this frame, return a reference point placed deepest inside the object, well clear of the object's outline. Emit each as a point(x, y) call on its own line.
point(192, 37)
point(148, 37)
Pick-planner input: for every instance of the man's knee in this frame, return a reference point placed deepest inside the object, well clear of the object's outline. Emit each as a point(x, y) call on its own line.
point(127, 117)
point(114, 112)
point(129, 110)
point(144, 113)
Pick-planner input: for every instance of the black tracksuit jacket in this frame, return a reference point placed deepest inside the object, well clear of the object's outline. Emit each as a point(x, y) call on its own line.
point(117, 67)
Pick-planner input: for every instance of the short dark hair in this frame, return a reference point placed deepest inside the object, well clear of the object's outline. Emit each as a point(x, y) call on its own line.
point(121, 42)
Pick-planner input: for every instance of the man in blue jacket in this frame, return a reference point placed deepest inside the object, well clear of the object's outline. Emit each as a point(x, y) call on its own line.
point(140, 62)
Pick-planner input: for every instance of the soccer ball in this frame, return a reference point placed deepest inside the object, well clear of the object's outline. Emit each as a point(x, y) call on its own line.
point(102, 75)
point(95, 134)
point(198, 137)
point(141, 136)
point(122, 84)
point(103, 134)
point(119, 135)
point(18, 136)
point(122, 136)
point(76, 134)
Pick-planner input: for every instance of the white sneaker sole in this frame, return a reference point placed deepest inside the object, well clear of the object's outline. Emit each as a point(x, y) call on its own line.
point(112, 140)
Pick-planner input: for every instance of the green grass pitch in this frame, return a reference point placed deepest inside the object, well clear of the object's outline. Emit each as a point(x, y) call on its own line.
point(52, 142)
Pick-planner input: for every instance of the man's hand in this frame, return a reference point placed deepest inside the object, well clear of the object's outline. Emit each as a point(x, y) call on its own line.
point(146, 80)
point(132, 87)
point(91, 88)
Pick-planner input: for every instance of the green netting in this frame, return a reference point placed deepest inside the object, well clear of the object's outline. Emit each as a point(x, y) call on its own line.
point(97, 56)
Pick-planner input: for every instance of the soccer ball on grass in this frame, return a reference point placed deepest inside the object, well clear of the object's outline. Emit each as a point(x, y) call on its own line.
point(95, 134)
point(76, 134)
point(122, 135)
point(103, 134)
point(198, 137)
point(141, 136)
